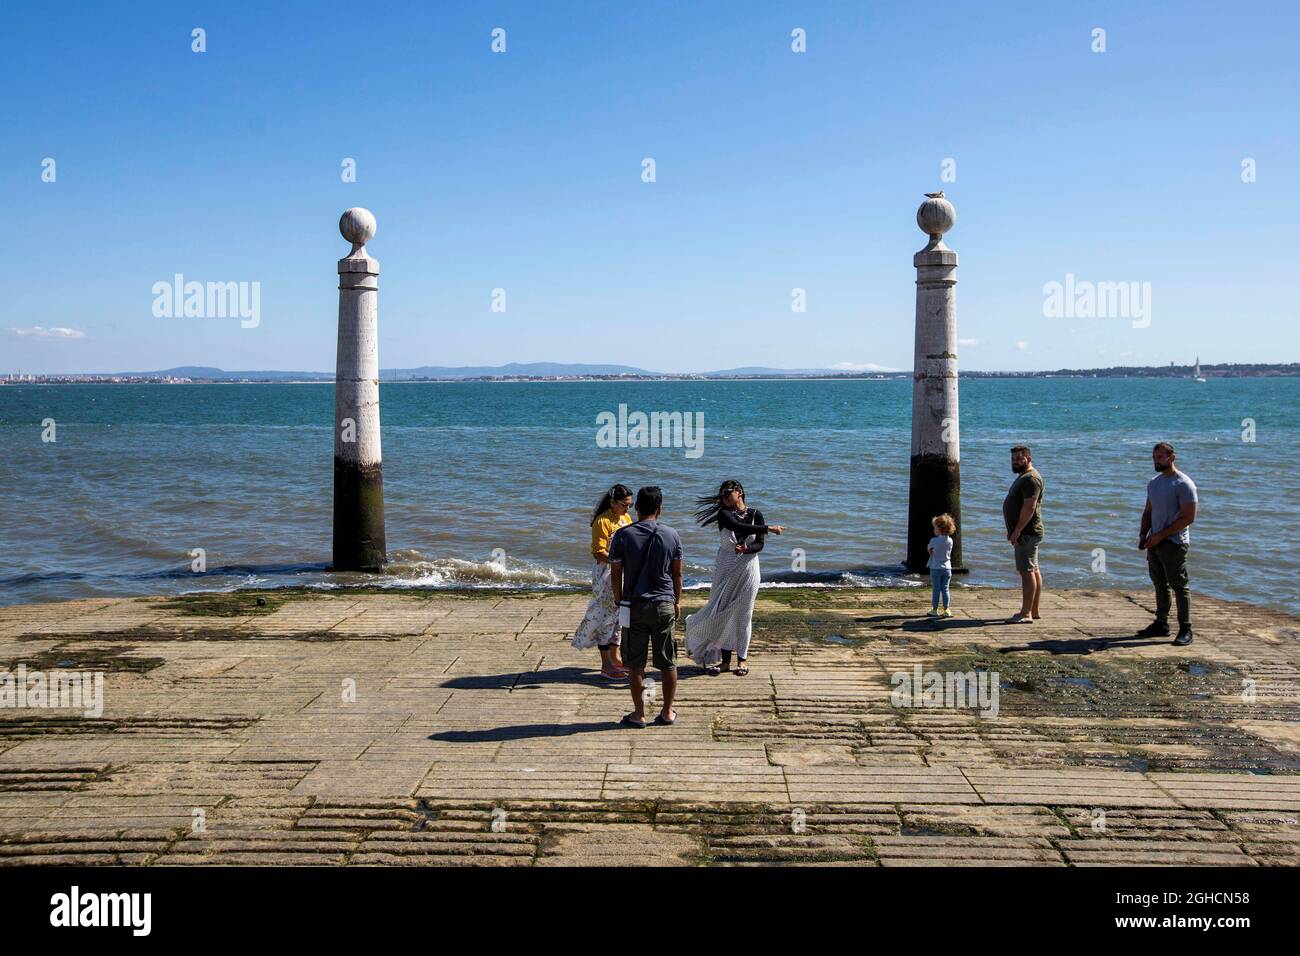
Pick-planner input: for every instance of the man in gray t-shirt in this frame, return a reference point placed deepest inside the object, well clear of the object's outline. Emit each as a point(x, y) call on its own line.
point(1164, 536)
point(645, 574)
point(1022, 511)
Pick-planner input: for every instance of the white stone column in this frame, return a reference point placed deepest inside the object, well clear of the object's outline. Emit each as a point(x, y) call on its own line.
point(936, 451)
point(358, 474)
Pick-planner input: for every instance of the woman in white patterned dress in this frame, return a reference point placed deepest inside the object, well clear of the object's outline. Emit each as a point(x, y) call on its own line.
point(725, 624)
point(599, 627)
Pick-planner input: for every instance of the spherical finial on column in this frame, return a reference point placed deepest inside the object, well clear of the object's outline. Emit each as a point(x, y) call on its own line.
point(936, 215)
point(358, 227)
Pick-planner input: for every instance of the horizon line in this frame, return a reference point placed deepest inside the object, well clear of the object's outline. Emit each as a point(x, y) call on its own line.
point(759, 372)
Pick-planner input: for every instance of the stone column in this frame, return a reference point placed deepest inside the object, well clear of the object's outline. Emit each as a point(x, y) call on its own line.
point(936, 456)
point(358, 476)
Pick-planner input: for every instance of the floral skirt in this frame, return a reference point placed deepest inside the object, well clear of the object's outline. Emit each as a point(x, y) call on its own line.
point(600, 623)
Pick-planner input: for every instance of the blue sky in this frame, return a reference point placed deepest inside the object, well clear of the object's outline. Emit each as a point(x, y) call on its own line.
point(522, 171)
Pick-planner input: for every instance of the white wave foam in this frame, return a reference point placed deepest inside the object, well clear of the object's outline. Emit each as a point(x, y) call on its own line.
point(408, 569)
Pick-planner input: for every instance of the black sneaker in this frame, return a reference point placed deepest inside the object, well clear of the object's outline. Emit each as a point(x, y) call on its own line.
point(1154, 629)
point(1184, 636)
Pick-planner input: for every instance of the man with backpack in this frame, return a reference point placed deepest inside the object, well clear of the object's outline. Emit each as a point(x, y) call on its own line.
point(645, 564)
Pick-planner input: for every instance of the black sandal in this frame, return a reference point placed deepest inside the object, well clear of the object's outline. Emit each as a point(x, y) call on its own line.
point(659, 720)
point(741, 670)
point(712, 670)
point(631, 721)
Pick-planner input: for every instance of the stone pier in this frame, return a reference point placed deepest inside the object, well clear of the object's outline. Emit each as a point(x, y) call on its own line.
point(935, 485)
point(364, 728)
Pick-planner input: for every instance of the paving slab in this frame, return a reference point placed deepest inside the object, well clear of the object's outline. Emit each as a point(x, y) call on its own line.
point(450, 729)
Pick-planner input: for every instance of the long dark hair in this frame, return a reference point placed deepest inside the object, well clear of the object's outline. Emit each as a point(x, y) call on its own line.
point(710, 505)
point(616, 493)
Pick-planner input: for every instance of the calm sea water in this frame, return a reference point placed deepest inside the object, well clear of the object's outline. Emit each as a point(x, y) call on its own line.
point(141, 475)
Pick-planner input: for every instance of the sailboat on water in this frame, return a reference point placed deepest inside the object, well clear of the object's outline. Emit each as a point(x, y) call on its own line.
point(1196, 372)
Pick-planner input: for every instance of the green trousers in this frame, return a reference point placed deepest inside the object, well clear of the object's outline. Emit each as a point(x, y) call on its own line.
point(1167, 563)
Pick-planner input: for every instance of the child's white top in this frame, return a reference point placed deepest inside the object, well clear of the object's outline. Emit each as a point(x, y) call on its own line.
point(941, 553)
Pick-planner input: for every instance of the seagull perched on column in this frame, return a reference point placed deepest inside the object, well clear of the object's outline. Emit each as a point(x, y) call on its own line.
point(938, 195)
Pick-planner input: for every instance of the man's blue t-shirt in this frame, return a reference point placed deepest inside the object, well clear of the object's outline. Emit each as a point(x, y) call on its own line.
point(646, 551)
point(1167, 494)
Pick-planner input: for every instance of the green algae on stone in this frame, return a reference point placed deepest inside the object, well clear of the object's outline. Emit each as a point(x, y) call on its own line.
point(148, 634)
point(798, 597)
point(105, 659)
point(832, 625)
point(229, 603)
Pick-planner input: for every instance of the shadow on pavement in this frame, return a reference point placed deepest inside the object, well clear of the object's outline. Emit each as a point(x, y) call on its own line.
point(523, 732)
point(525, 679)
point(1085, 645)
point(950, 623)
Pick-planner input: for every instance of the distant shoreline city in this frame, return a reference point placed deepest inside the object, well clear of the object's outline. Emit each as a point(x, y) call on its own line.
point(190, 375)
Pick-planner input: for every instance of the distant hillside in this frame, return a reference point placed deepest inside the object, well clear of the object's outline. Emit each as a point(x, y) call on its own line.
point(756, 371)
point(552, 370)
point(512, 370)
point(1226, 370)
point(221, 375)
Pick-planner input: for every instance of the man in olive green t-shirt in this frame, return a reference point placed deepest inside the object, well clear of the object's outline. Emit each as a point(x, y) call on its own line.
point(1022, 512)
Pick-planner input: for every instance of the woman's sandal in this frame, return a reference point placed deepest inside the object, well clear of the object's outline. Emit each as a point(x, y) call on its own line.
point(712, 670)
point(741, 670)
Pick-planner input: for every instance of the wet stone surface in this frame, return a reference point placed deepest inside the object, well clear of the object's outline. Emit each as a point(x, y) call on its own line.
point(379, 728)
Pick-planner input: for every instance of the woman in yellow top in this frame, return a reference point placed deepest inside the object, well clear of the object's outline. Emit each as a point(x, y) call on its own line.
point(599, 627)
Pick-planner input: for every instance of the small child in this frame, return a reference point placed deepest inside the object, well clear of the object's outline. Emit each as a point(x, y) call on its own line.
point(940, 564)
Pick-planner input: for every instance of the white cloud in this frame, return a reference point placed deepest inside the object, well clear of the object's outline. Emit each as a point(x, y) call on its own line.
point(54, 332)
point(968, 343)
point(1022, 346)
point(861, 367)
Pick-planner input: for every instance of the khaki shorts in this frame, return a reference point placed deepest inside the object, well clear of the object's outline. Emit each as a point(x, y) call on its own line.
point(651, 634)
point(1026, 548)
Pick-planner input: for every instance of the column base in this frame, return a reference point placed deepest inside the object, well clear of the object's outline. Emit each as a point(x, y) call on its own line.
point(359, 543)
point(935, 489)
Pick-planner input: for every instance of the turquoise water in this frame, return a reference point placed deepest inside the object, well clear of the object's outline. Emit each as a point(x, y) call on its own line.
point(141, 475)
